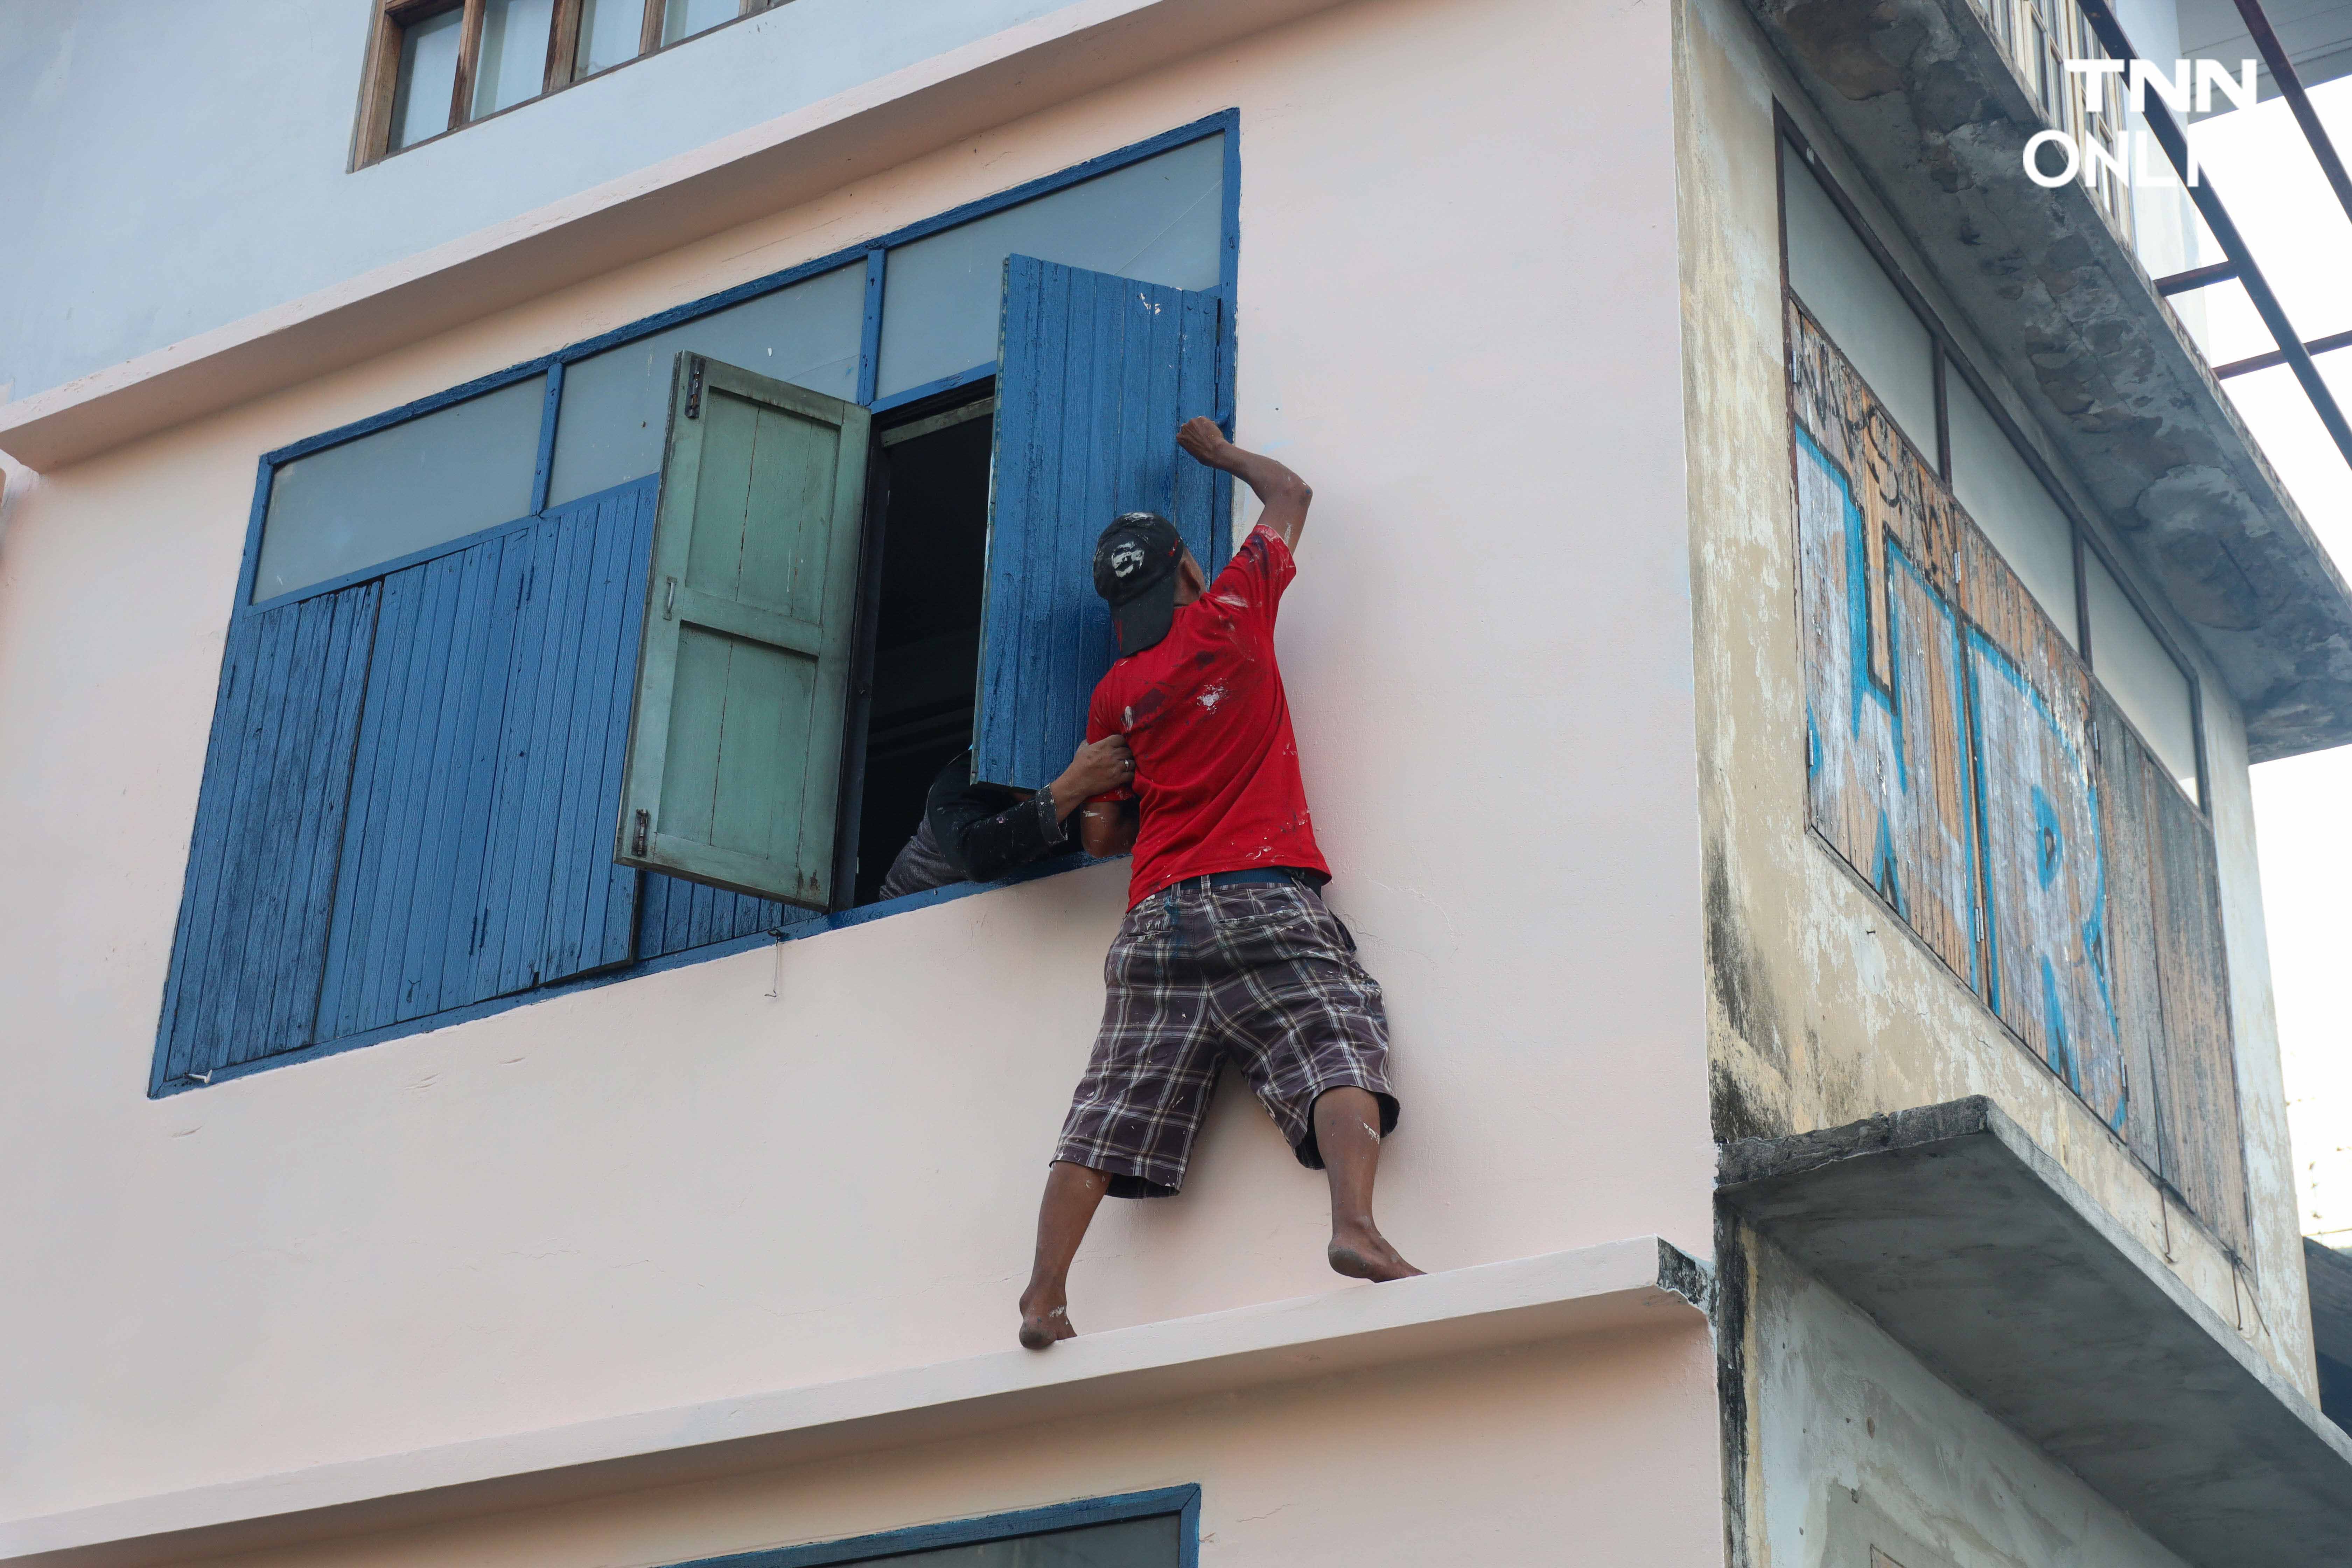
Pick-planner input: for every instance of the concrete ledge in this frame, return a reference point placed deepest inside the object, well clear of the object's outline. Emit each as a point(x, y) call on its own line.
point(1925, 101)
point(1973, 1248)
point(766, 169)
point(1638, 1283)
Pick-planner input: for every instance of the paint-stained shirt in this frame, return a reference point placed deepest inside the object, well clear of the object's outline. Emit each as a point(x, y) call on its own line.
point(1216, 770)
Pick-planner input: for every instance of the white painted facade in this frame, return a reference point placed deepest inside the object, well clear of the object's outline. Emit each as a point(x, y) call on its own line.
point(1517, 322)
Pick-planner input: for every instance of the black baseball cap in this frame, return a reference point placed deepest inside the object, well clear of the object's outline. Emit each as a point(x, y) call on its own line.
point(1135, 570)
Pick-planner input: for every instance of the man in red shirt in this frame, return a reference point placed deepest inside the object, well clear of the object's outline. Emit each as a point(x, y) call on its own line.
point(1227, 949)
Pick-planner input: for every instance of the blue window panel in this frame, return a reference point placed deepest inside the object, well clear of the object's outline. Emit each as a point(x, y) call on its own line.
point(245, 958)
point(479, 856)
point(673, 915)
point(402, 488)
point(1160, 220)
point(1098, 373)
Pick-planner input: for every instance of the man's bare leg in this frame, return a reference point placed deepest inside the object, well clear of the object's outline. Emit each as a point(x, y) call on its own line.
point(1072, 1193)
point(1348, 1131)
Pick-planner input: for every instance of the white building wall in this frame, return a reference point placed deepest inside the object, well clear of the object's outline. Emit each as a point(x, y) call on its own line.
point(167, 169)
point(781, 1168)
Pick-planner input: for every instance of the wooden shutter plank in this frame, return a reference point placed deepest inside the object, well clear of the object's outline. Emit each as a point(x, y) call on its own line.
point(479, 863)
point(207, 841)
point(359, 883)
point(2203, 1139)
point(236, 943)
point(592, 900)
point(227, 941)
point(2129, 953)
point(486, 625)
point(677, 915)
point(247, 948)
point(499, 962)
point(735, 740)
point(443, 830)
point(1096, 372)
point(560, 611)
point(339, 633)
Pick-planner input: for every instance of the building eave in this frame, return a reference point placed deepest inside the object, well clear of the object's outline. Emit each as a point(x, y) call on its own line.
point(1976, 1251)
point(1640, 1284)
point(1925, 101)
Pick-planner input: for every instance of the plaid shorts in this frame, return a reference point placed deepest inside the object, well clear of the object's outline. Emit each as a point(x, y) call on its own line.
point(1260, 972)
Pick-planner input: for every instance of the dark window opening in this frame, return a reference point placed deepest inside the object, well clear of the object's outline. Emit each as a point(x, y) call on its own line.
point(930, 517)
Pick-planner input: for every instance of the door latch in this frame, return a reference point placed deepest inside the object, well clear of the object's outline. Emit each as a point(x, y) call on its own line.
point(669, 599)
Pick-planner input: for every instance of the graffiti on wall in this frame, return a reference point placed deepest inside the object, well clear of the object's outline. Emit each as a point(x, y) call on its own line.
point(1948, 756)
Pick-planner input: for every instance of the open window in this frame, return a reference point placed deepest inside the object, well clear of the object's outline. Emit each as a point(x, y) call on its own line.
point(802, 614)
point(414, 777)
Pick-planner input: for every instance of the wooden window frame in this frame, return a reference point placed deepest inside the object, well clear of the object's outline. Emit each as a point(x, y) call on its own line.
point(380, 79)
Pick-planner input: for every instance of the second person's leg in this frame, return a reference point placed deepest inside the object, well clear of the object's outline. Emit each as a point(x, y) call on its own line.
point(1072, 1194)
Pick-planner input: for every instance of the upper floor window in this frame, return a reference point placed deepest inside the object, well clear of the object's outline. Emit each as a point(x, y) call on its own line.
point(436, 65)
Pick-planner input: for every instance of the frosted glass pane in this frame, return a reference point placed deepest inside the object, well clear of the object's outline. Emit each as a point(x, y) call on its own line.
point(449, 473)
point(1855, 302)
point(687, 18)
point(2140, 675)
point(1160, 220)
point(513, 63)
point(428, 77)
point(1996, 488)
point(609, 31)
point(615, 403)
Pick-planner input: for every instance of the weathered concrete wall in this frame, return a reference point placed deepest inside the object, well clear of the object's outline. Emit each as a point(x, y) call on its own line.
point(1856, 1448)
point(1823, 1008)
point(679, 1187)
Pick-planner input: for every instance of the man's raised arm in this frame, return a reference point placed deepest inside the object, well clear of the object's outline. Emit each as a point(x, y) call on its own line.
point(1284, 493)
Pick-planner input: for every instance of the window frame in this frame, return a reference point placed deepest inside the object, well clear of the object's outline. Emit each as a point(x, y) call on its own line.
point(380, 73)
point(872, 255)
point(1182, 1501)
point(1947, 358)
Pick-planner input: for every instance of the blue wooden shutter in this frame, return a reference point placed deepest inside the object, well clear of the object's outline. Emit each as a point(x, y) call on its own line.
point(734, 759)
point(251, 939)
point(1095, 374)
point(476, 861)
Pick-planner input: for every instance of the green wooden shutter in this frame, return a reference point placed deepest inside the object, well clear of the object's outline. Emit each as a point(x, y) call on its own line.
point(735, 736)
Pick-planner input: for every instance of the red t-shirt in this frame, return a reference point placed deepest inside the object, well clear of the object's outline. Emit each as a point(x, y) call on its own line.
point(1216, 770)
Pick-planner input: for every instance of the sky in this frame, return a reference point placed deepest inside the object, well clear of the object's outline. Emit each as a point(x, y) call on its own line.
point(2301, 240)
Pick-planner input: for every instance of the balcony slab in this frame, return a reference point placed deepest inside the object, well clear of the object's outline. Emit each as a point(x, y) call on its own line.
point(1974, 1250)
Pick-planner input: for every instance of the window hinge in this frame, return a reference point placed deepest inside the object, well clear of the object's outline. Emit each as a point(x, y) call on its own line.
point(669, 599)
point(694, 390)
point(637, 839)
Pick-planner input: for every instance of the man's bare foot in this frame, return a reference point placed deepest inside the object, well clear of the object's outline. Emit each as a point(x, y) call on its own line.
point(1366, 1255)
point(1043, 1322)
